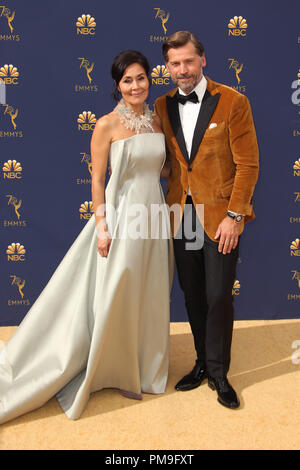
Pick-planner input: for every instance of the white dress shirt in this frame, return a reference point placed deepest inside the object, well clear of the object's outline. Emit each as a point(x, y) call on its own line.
point(188, 113)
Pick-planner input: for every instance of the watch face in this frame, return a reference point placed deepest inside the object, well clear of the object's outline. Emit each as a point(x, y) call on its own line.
point(239, 218)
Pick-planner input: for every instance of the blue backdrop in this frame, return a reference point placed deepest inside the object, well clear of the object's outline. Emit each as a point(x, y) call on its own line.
point(55, 62)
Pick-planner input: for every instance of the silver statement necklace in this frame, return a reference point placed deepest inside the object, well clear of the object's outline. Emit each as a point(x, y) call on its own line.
point(134, 122)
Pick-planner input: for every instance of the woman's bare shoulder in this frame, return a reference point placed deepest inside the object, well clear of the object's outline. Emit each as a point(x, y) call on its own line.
point(107, 121)
point(105, 126)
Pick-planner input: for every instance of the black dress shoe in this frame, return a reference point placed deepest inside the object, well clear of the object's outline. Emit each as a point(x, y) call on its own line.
point(226, 395)
point(193, 379)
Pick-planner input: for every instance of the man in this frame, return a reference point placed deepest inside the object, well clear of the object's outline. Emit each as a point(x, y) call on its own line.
point(213, 151)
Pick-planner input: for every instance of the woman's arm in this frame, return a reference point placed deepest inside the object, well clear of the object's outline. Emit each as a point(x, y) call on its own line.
point(100, 146)
point(166, 169)
point(167, 166)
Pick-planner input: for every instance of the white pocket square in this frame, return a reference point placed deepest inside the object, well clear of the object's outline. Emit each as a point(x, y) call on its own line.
point(212, 125)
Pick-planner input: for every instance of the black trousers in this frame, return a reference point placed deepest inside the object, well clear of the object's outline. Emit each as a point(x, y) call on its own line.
point(206, 278)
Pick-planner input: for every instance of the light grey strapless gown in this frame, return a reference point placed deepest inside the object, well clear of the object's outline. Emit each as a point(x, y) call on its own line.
point(99, 322)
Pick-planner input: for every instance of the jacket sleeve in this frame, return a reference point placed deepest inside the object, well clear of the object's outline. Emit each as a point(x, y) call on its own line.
point(244, 148)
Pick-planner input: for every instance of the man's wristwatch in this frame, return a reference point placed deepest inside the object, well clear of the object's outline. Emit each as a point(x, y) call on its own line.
point(236, 217)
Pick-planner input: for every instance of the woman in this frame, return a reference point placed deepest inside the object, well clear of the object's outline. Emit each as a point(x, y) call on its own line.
point(102, 321)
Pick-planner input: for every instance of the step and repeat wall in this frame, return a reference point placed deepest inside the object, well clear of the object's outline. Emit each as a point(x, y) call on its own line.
point(55, 64)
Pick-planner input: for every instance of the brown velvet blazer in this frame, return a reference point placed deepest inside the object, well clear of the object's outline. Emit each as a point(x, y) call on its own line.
point(223, 167)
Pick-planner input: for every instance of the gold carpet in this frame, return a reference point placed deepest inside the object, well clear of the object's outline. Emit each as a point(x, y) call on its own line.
point(264, 371)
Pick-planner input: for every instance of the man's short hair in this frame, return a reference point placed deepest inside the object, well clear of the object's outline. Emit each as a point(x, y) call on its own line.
point(181, 38)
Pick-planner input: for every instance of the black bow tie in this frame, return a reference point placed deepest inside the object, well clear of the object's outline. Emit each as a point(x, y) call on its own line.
point(184, 98)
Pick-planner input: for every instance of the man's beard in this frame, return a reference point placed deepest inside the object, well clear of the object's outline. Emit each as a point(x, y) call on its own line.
point(188, 87)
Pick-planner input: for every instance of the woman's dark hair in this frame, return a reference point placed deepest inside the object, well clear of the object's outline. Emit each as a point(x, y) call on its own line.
point(120, 64)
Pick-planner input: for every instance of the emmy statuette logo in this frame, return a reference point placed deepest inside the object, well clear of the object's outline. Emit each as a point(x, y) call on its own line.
point(12, 200)
point(12, 113)
point(161, 18)
point(18, 286)
point(85, 64)
point(87, 67)
point(15, 204)
point(6, 13)
point(295, 276)
point(7, 16)
point(296, 196)
point(236, 67)
point(17, 281)
point(86, 160)
point(164, 17)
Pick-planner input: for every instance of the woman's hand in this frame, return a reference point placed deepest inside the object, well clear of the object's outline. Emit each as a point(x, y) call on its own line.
point(103, 237)
point(103, 244)
point(166, 169)
point(165, 172)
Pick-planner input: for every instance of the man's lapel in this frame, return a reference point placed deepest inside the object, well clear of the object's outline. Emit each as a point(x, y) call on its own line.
point(207, 108)
point(173, 112)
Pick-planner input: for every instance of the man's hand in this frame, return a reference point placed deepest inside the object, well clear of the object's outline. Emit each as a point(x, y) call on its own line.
point(228, 235)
